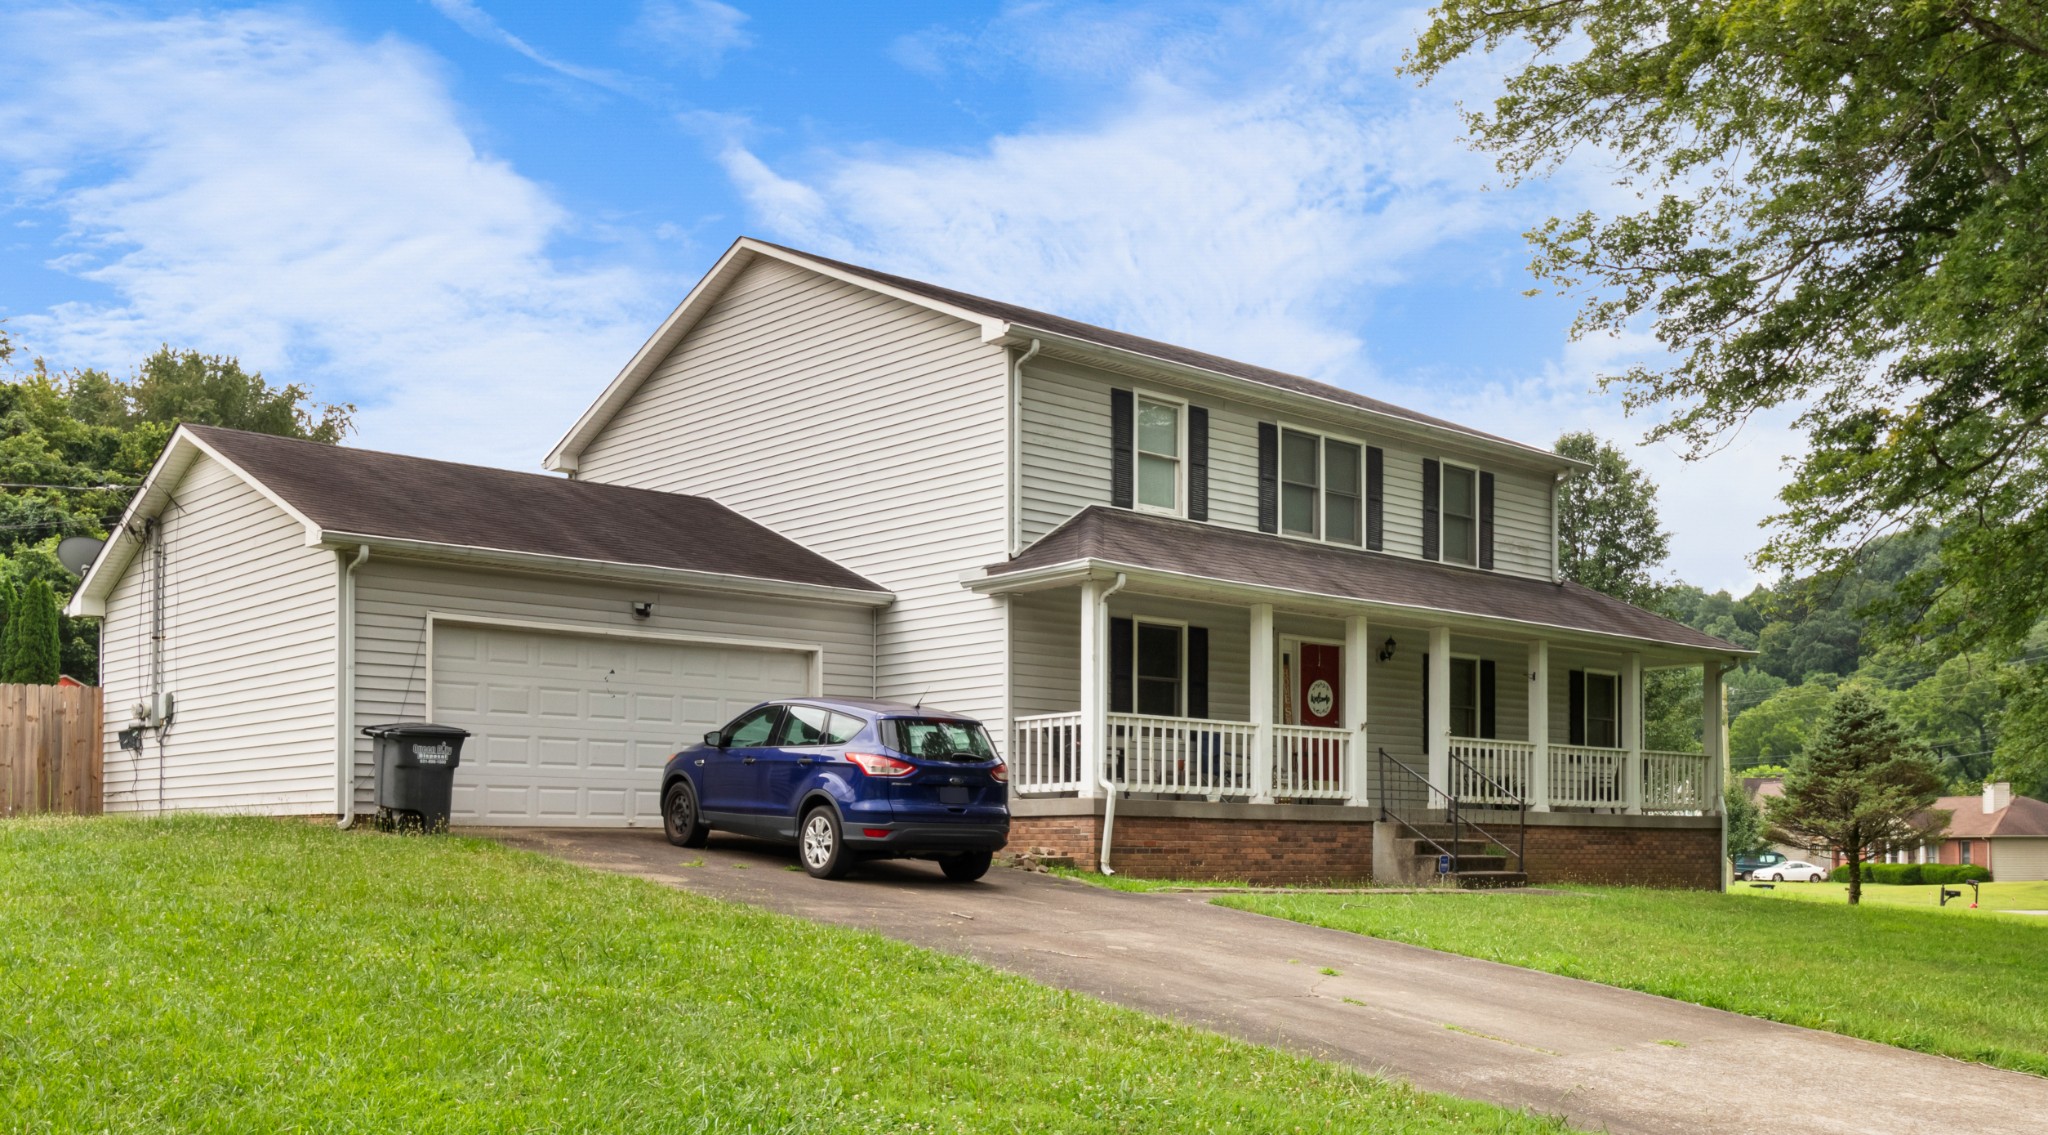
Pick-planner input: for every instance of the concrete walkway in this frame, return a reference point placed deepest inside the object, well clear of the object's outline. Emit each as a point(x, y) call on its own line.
point(1607, 1059)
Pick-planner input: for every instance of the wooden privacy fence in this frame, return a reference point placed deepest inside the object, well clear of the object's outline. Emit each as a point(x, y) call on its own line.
point(50, 744)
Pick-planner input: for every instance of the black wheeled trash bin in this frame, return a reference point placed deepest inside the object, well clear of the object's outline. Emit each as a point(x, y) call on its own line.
point(415, 772)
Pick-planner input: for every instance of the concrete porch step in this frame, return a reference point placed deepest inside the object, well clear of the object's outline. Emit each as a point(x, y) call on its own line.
point(1488, 880)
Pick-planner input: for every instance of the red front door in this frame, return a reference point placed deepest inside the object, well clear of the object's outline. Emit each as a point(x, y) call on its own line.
point(1320, 698)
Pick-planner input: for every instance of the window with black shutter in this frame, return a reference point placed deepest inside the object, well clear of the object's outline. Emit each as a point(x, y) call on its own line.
point(1432, 505)
point(1375, 498)
point(1486, 521)
point(1269, 477)
point(1123, 434)
point(1198, 463)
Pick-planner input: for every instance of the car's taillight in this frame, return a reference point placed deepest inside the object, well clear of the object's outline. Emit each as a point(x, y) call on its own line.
point(875, 764)
point(1000, 774)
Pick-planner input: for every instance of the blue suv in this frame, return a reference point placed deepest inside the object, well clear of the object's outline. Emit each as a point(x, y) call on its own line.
point(846, 780)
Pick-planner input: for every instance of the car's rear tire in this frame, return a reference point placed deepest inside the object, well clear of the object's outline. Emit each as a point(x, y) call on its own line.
point(819, 845)
point(1816, 877)
point(680, 821)
point(967, 866)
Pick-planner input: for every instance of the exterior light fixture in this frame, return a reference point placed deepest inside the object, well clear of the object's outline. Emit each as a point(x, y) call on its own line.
point(1387, 651)
point(643, 610)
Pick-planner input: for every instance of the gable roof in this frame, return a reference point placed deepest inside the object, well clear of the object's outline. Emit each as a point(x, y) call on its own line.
point(999, 321)
point(2023, 816)
point(344, 496)
point(1119, 538)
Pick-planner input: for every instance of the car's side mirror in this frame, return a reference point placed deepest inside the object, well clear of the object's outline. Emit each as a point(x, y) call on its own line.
point(715, 739)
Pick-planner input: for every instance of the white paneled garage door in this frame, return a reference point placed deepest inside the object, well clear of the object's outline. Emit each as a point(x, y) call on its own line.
point(573, 729)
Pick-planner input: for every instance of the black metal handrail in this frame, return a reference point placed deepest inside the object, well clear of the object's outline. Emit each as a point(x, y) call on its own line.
point(1380, 792)
point(1521, 805)
point(1454, 810)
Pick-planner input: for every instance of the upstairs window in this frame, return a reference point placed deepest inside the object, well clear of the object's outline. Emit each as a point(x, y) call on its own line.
point(1460, 514)
point(1321, 487)
point(1159, 455)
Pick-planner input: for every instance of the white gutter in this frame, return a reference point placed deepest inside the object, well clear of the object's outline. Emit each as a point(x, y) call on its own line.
point(608, 570)
point(345, 689)
point(1102, 766)
point(1013, 503)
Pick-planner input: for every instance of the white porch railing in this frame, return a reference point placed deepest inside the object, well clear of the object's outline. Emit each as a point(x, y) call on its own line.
point(1181, 756)
point(1676, 782)
point(1311, 762)
point(1045, 755)
point(1492, 772)
point(1585, 777)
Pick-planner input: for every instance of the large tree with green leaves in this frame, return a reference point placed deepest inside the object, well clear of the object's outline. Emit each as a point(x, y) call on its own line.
point(1608, 534)
point(1862, 787)
point(1844, 214)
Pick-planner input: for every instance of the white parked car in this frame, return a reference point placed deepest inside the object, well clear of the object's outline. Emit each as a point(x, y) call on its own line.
point(1792, 871)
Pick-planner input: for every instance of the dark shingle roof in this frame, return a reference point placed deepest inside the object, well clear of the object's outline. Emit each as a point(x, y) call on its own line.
point(1258, 559)
point(364, 492)
point(1088, 332)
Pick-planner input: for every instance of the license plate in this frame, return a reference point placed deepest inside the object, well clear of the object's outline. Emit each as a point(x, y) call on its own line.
point(953, 795)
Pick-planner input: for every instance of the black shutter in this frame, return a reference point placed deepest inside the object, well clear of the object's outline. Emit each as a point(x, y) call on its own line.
point(1121, 680)
point(1123, 444)
point(1198, 463)
point(1577, 711)
point(1269, 477)
point(1198, 671)
point(1486, 521)
point(1432, 501)
point(1488, 724)
point(1425, 702)
point(1375, 497)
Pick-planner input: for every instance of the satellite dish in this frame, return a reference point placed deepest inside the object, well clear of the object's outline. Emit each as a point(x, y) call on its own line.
point(76, 553)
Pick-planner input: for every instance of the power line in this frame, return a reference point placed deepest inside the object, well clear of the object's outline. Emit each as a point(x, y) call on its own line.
point(67, 488)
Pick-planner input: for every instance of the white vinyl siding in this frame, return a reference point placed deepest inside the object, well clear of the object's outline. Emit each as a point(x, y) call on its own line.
point(1045, 646)
point(1065, 466)
point(249, 653)
point(394, 598)
point(870, 431)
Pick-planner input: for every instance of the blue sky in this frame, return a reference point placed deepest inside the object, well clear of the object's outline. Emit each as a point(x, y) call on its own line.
point(464, 215)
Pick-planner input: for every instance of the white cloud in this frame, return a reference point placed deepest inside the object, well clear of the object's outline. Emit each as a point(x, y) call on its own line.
point(258, 184)
point(698, 34)
point(1254, 217)
point(479, 23)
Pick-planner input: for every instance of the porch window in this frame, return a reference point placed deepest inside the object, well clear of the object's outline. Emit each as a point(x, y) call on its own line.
point(1159, 455)
point(1460, 514)
point(1465, 697)
point(1299, 484)
point(1603, 710)
point(1160, 666)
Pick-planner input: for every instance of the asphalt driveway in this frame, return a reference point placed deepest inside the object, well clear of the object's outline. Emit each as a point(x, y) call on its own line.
point(1608, 1059)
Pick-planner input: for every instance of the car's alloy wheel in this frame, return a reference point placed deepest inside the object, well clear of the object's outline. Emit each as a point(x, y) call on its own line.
point(679, 819)
point(819, 846)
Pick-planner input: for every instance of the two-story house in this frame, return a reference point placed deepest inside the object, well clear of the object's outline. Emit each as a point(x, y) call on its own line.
point(1224, 621)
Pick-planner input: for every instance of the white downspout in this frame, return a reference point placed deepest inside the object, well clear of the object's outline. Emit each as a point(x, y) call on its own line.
point(345, 690)
point(1014, 504)
point(1102, 766)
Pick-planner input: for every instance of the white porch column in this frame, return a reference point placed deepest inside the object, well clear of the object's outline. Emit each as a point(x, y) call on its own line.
point(1094, 685)
point(1265, 648)
point(1713, 732)
point(1539, 725)
point(1632, 706)
point(1437, 730)
point(1357, 657)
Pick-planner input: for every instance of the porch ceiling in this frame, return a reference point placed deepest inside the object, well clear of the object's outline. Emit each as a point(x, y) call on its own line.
point(1202, 560)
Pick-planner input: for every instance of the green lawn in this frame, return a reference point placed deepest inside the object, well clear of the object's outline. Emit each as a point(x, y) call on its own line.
point(202, 975)
point(1993, 896)
point(1964, 987)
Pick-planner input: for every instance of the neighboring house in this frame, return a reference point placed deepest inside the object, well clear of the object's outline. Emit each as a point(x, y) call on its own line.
point(1763, 788)
point(1210, 592)
point(2005, 834)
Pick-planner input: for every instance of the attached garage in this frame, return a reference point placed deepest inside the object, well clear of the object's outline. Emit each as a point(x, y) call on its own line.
point(581, 632)
point(573, 729)
point(2019, 859)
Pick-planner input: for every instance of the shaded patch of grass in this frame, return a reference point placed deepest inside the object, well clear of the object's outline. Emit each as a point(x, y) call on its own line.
point(1134, 884)
point(210, 974)
point(1967, 988)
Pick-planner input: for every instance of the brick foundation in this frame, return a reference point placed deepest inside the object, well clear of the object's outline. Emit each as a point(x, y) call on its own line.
point(1237, 843)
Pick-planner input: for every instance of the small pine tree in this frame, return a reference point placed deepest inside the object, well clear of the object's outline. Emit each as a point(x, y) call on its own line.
point(1862, 785)
point(9, 601)
point(38, 647)
point(1745, 821)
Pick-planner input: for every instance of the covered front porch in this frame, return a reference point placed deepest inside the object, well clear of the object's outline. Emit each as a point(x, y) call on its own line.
point(1149, 693)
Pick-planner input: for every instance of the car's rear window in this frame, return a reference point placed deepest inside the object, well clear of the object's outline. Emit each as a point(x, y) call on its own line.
point(937, 739)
